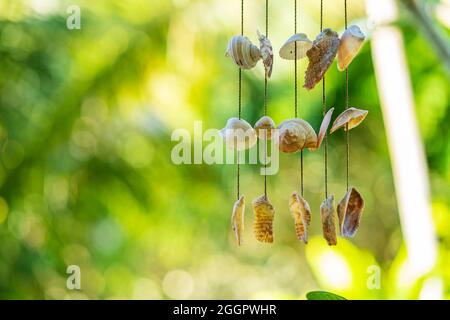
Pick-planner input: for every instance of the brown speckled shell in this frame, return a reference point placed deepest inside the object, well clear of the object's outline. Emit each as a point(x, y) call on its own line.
point(266, 52)
point(321, 56)
point(295, 135)
point(349, 211)
point(328, 220)
point(264, 215)
point(301, 213)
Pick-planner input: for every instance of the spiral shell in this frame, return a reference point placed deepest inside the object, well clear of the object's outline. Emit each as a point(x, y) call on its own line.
point(238, 134)
point(351, 116)
point(321, 55)
point(295, 135)
point(266, 51)
point(351, 42)
point(264, 127)
point(243, 52)
point(349, 211)
point(301, 213)
point(328, 224)
point(264, 215)
point(237, 219)
point(287, 51)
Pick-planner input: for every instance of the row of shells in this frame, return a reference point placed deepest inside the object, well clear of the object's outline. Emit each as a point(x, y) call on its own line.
point(349, 212)
point(321, 52)
point(292, 136)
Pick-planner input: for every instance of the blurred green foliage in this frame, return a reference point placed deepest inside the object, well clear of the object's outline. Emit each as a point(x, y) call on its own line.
point(86, 177)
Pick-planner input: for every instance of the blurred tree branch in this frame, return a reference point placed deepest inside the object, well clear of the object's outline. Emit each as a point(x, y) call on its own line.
point(432, 32)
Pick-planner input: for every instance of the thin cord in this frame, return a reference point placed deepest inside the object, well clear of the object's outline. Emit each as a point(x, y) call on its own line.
point(347, 135)
point(265, 102)
point(324, 109)
point(239, 105)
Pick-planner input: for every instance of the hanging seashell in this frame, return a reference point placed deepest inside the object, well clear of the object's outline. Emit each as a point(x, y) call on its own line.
point(321, 55)
point(237, 219)
point(243, 52)
point(351, 42)
point(238, 134)
point(265, 48)
point(328, 225)
point(323, 129)
point(349, 211)
point(264, 127)
point(295, 135)
point(351, 116)
point(301, 213)
point(287, 51)
point(264, 214)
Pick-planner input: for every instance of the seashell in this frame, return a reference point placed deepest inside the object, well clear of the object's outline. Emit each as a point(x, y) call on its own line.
point(301, 212)
point(349, 211)
point(323, 129)
point(351, 42)
point(243, 52)
point(265, 48)
point(351, 116)
point(287, 51)
point(238, 134)
point(264, 214)
point(295, 135)
point(264, 127)
point(321, 55)
point(237, 219)
point(328, 225)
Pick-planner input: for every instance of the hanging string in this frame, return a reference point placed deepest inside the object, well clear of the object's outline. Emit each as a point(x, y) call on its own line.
point(265, 103)
point(347, 136)
point(324, 110)
point(239, 105)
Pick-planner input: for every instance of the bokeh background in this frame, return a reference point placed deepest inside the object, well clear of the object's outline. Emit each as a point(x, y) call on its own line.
point(86, 177)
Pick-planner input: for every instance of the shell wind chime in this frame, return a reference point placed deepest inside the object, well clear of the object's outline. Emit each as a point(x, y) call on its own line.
point(295, 135)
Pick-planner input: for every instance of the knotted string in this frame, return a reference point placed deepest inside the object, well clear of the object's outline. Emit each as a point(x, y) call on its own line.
point(347, 136)
point(239, 104)
point(324, 111)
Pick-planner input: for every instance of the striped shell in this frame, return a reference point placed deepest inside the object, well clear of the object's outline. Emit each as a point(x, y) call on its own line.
point(295, 135)
point(301, 213)
point(328, 223)
point(264, 215)
point(243, 52)
point(349, 211)
point(237, 219)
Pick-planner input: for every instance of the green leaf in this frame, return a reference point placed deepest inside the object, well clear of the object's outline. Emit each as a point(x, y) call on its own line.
point(323, 295)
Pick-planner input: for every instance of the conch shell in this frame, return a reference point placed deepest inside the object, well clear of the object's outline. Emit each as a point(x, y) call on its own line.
point(328, 225)
point(237, 219)
point(264, 127)
point(238, 134)
point(265, 48)
point(351, 42)
point(287, 51)
point(295, 135)
point(349, 211)
point(243, 52)
point(351, 116)
point(321, 55)
point(301, 213)
point(323, 129)
point(264, 214)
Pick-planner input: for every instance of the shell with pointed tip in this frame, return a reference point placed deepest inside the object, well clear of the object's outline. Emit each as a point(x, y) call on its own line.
point(264, 215)
point(351, 116)
point(323, 129)
point(237, 219)
point(264, 128)
point(350, 210)
point(243, 52)
point(287, 51)
point(321, 56)
point(351, 42)
point(266, 50)
point(238, 134)
point(328, 224)
point(301, 212)
point(295, 135)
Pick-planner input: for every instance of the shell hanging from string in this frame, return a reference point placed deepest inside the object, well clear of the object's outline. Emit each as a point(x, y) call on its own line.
point(349, 119)
point(351, 42)
point(328, 220)
point(350, 210)
point(301, 212)
point(287, 51)
point(237, 219)
point(266, 52)
point(321, 56)
point(264, 128)
point(264, 215)
point(243, 52)
point(238, 134)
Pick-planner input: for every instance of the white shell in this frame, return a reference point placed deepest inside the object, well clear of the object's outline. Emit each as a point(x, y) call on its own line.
point(266, 50)
point(351, 42)
point(238, 134)
point(243, 52)
point(287, 51)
